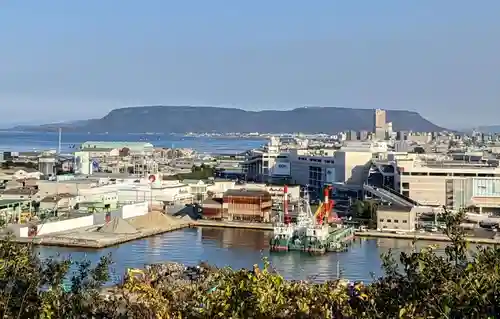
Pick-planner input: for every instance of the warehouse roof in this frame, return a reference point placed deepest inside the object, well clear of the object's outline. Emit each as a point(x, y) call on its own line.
point(246, 192)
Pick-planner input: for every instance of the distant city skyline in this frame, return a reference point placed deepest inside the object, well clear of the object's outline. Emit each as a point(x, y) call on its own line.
point(70, 60)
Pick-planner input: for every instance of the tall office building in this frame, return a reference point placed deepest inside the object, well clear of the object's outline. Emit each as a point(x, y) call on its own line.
point(380, 119)
point(380, 128)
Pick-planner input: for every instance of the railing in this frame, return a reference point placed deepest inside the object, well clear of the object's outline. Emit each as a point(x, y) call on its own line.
point(387, 195)
point(412, 201)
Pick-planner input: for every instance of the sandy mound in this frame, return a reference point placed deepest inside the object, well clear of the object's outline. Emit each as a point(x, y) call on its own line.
point(117, 226)
point(154, 220)
point(186, 219)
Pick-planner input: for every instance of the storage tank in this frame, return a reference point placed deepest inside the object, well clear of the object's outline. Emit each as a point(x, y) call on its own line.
point(46, 165)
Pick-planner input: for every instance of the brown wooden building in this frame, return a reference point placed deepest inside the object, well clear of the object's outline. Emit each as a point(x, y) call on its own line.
point(248, 205)
point(239, 204)
point(212, 208)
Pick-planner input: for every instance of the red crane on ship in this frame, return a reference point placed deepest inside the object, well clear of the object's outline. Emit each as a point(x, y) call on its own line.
point(325, 212)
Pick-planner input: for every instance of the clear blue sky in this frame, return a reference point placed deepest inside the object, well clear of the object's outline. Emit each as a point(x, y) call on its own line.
point(71, 59)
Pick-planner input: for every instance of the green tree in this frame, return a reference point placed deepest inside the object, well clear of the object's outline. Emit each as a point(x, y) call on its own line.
point(357, 209)
point(364, 209)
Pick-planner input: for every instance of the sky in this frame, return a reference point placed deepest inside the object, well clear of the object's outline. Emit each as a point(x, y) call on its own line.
point(65, 60)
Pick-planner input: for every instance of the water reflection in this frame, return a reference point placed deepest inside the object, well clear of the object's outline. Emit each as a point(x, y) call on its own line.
point(241, 248)
point(238, 238)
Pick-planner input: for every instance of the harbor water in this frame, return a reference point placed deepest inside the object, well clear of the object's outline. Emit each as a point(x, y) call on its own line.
point(242, 248)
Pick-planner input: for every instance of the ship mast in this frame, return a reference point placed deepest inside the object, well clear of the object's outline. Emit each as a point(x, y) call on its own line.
point(287, 218)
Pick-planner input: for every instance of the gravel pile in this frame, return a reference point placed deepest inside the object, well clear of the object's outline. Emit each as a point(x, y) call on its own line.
point(117, 226)
point(154, 220)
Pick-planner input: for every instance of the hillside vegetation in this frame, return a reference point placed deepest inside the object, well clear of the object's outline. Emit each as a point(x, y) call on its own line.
point(183, 119)
point(426, 286)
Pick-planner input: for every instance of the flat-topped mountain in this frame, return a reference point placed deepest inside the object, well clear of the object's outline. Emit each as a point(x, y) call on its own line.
point(183, 119)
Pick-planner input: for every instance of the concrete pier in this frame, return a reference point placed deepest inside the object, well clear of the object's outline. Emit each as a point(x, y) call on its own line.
point(114, 232)
point(89, 240)
point(425, 236)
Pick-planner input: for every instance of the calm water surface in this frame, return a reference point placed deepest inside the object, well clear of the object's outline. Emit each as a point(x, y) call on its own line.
point(240, 248)
point(28, 141)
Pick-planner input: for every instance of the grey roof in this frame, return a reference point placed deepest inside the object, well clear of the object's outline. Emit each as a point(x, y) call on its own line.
point(395, 208)
point(246, 192)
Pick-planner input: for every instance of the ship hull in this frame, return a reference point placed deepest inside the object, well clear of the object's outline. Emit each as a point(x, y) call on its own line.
point(337, 241)
point(279, 244)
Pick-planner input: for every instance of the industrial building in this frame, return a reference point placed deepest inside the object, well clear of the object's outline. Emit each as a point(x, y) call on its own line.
point(396, 218)
point(97, 148)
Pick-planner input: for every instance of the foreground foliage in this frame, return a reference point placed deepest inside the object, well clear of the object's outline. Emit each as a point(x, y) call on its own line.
point(421, 285)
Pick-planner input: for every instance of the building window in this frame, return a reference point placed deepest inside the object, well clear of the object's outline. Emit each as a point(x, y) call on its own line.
point(389, 221)
point(381, 220)
point(396, 221)
point(406, 185)
point(384, 226)
point(405, 221)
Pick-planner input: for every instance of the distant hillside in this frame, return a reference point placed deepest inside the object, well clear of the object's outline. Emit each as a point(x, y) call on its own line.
point(73, 126)
point(182, 119)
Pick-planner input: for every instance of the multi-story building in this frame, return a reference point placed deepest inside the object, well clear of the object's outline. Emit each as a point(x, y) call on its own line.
point(440, 181)
point(380, 119)
point(260, 163)
point(380, 126)
point(231, 164)
point(316, 166)
point(348, 165)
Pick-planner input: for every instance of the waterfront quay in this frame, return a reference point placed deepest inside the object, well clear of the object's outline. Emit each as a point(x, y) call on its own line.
point(427, 236)
point(96, 231)
point(90, 238)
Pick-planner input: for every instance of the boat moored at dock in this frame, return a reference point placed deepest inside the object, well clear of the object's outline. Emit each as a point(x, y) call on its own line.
point(316, 233)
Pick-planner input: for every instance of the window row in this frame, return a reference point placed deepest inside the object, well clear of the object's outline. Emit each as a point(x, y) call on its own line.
point(396, 221)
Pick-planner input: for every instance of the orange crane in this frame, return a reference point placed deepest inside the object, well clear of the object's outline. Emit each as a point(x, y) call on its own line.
point(325, 213)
